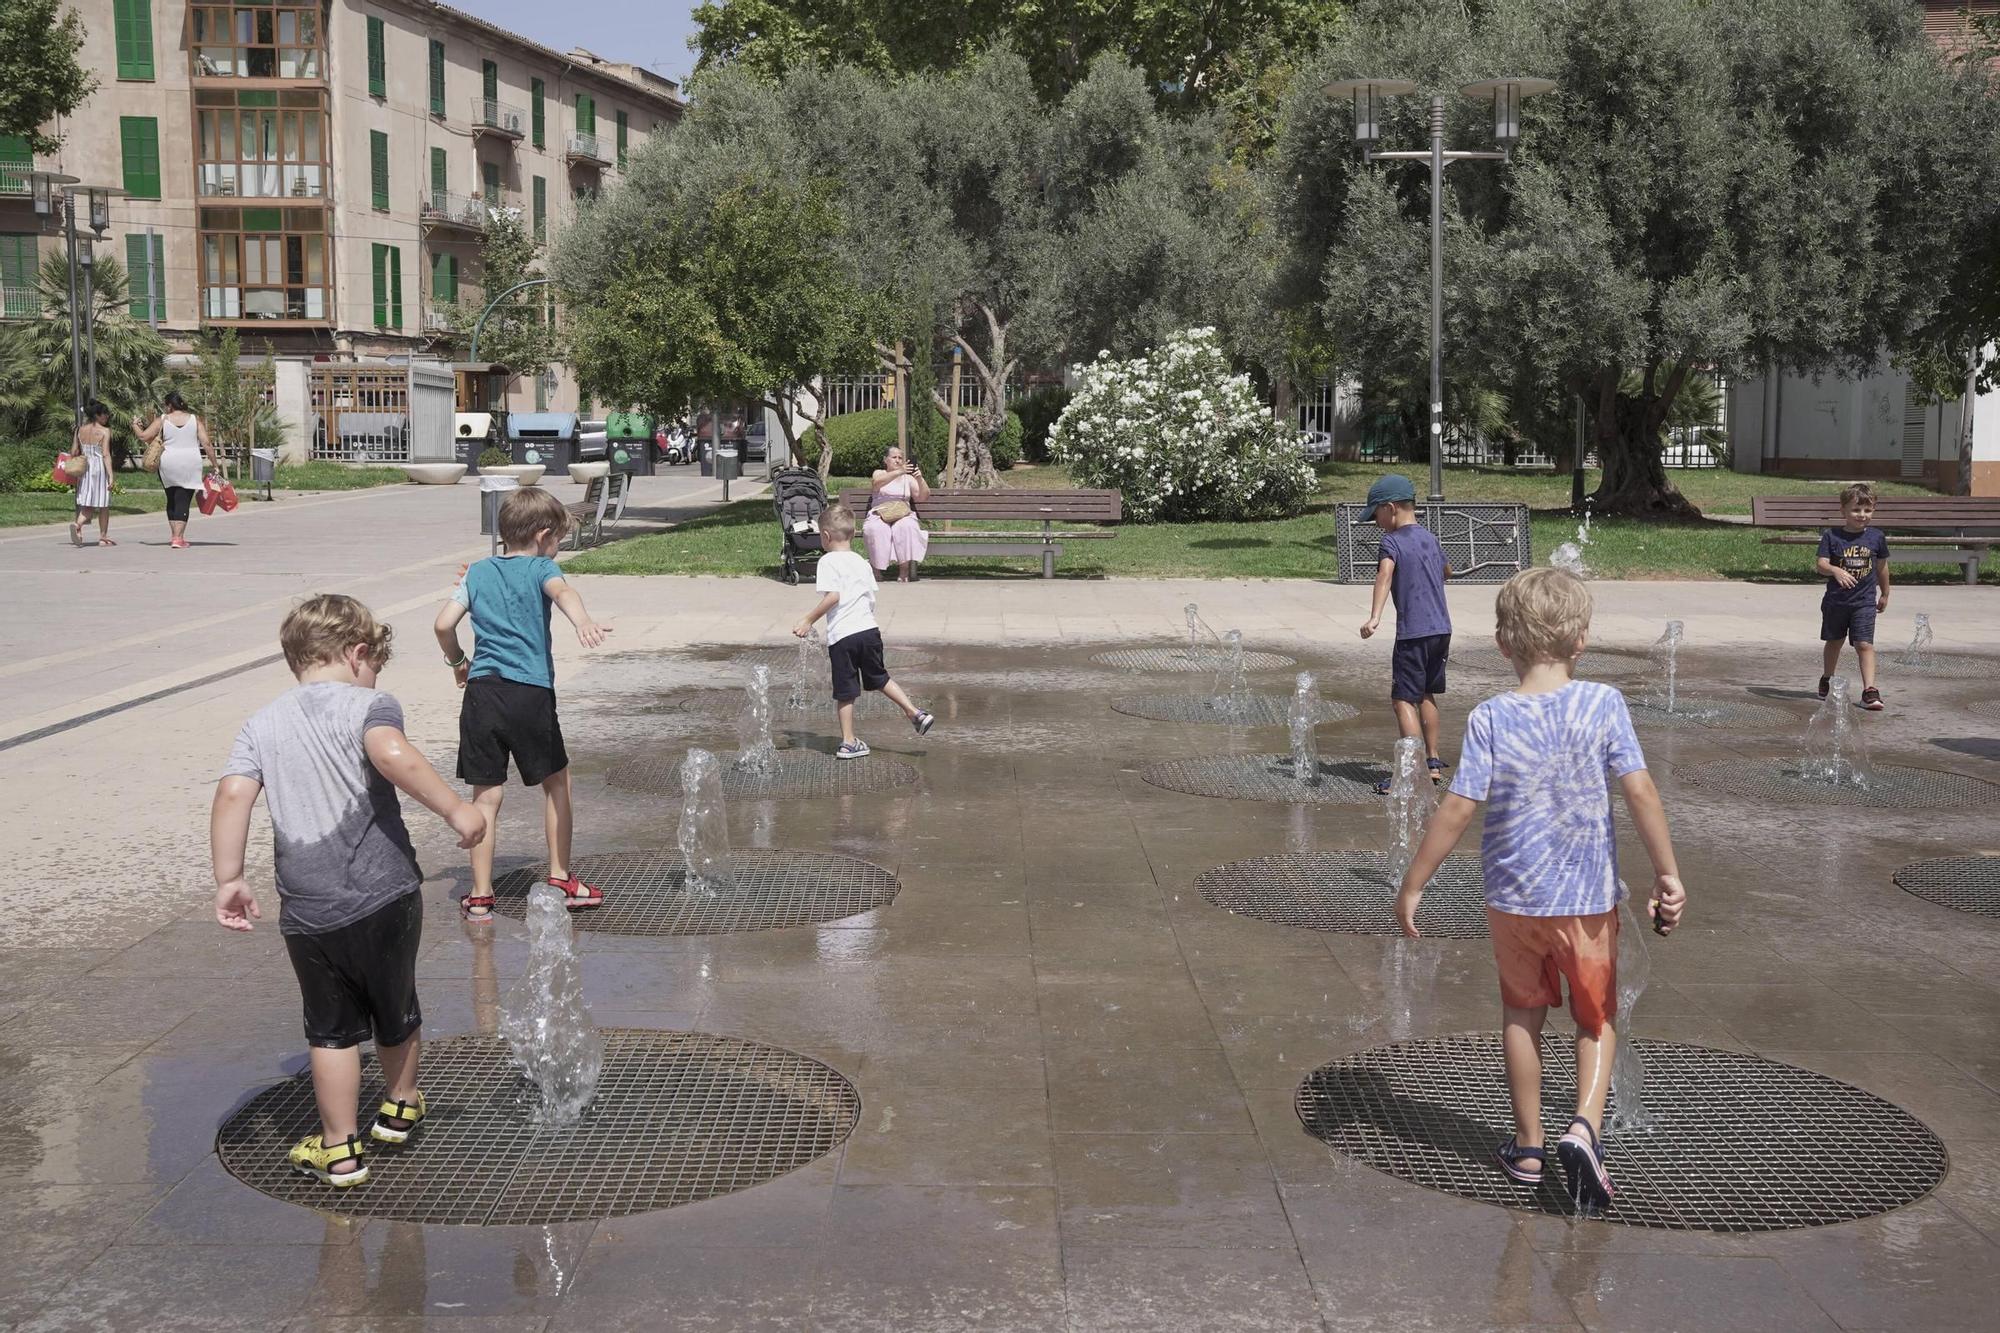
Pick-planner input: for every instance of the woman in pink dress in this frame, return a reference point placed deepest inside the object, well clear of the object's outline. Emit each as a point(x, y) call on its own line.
point(903, 542)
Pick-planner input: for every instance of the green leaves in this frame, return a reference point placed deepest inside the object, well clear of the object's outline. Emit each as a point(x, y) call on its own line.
point(40, 78)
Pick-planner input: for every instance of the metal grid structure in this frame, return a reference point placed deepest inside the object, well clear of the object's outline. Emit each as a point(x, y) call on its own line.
point(678, 1117)
point(1256, 710)
point(771, 888)
point(1483, 541)
point(1182, 661)
point(1482, 659)
point(361, 414)
point(1268, 777)
point(1987, 710)
point(819, 707)
point(1944, 666)
point(1348, 892)
point(1891, 787)
point(797, 773)
point(781, 660)
point(1742, 1144)
point(1962, 883)
point(1709, 713)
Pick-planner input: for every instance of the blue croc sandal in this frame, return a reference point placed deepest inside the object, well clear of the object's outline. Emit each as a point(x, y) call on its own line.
point(1512, 1155)
point(1582, 1157)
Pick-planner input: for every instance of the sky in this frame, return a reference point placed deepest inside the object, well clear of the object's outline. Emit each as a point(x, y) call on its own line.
point(651, 34)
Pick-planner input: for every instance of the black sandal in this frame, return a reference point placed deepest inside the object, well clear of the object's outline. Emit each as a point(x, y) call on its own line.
point(1512, 1154)
point(1582, 1157)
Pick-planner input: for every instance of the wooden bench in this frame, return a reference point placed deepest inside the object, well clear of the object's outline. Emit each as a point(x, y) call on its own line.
point(602, 496)
point(1001, 505)
point(1952, 529)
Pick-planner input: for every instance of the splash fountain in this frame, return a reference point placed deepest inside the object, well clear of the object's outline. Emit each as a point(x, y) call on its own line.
point(1666, 653)
point(704, 831)
point(1302, 718)
point(755, 751)
point(1571, 554)
point(807, 670)
point(1629, 1113)
point(1412, 798)
point(1232, 688)
point(1835, 750)
point(1919, 654)
point(545, 1022)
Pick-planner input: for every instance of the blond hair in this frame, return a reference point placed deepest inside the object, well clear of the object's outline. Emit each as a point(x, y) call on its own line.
point(527, 511)
point(1542, 615)
point(838, 524)
point(1854, 493)
point(321, 629)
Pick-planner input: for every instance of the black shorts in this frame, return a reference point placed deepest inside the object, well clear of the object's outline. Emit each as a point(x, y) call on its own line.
point(502, 719)
point(857, 665)
point(360, 980)
point(1419, 667)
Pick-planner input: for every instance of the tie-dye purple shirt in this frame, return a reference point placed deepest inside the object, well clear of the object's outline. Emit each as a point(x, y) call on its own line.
point(1543, 763)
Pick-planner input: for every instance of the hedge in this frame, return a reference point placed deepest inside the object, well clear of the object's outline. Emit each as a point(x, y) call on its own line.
point(861, 438)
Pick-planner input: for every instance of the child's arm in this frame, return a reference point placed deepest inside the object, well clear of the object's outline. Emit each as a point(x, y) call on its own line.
point(1882, 580)
point(1447, 826)
point(398, 760)
point(1825, 565)
point(447, 636)
point(570, 602)
point(826, 604)
point(228, 836)
point(1385, 569)
point(1649, 816)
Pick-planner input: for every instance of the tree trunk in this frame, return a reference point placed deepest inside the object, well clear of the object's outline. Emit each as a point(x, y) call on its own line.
point(1635, 483)
point(1966, 404)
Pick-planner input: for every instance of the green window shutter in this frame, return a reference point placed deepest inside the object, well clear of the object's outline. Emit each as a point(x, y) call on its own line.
point(489, 80)
point(133, 22)
point(586, 114)
point(379, 257)
point(440, 173)
point(437, 280)
point(146, 282)
point(378, 168)
point(541, 209)
point(489, 182)
point(139, 139)
point(536, 96)
point(378, 60)
point(18, 263)
point(451, 271)
point(622, 125)
point(437, 77)
point(395, 286)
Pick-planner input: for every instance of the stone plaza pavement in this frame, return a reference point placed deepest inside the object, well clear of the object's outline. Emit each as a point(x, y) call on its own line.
point(1076, 1076)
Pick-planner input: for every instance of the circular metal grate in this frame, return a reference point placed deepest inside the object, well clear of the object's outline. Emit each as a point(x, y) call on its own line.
point(1962, 883)
point(1179, 659)
point(1268, 777)
point(1350, 892)
point(797, 773)
point(818, 708)
point(781, 659)
point(1256, 710)
point(1988, 709)
point(1944, 666)
point(1892, 786)
point(1742, 1144)
point(771, 888)
point(678, 1117)
point(1708, 713)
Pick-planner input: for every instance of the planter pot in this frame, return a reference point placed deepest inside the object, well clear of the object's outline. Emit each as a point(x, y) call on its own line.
point(434, 474)
point(524, 474)
point(588, 472)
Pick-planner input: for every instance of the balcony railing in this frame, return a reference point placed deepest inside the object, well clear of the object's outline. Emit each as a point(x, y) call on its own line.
point(498, 118)
point(14, 177)
point(20, 302)
point(442, 208)
point(262, 180)
point(589, 148)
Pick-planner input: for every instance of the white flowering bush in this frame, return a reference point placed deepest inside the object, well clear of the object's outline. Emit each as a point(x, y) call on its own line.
point(1180, 436)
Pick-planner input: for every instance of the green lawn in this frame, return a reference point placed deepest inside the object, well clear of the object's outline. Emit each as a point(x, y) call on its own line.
point(743, 538)
point(140, 493)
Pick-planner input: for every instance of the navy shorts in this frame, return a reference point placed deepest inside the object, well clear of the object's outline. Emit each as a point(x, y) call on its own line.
point(360, 980)
point(1856, 624)
point(1419, 667)
point(857, 665)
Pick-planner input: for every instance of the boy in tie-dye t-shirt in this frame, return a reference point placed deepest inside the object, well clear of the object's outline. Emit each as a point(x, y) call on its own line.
point(1542, 758)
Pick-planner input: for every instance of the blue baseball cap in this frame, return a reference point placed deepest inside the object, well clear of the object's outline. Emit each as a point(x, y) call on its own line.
point(1394, 488)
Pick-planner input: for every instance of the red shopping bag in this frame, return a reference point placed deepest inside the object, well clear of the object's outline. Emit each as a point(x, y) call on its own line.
point(226, 496)
point(62, 471)
point(211, 494)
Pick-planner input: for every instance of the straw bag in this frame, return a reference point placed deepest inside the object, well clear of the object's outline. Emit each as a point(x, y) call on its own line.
point(69, 468)
point(895, 511)
point(151, 462)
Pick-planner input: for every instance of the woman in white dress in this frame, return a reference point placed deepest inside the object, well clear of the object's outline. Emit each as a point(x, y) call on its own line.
point(93, 489)
point(186, 441)
point(902, 542)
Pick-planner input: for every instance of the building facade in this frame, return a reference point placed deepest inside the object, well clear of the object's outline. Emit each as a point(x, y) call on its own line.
point(319, 173)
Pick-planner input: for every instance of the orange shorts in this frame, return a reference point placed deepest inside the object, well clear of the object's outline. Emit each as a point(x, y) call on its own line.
point(1536, 952)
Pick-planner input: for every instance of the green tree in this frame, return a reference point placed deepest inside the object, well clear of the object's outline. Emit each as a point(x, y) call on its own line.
point(231, 395)
point(35, 356)
point(1767, 182)
point(40, 78)
point(519, 333)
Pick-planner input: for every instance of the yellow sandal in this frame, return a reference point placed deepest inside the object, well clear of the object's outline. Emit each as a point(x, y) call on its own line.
point(314, 1158)
point(410, 1113)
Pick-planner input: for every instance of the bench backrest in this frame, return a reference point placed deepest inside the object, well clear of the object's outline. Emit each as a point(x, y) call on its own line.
point(1065, 506)
point(1910, 513)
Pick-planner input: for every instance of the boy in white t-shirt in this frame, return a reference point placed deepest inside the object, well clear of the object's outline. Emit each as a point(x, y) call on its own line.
point(853, 641)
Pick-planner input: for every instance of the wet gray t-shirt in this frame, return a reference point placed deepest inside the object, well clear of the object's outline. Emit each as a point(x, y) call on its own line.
point(342, 849)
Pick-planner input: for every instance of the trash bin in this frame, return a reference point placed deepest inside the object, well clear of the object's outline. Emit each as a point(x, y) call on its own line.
point(264, 469)
point(492, 492)
point(628, 443)
point(728, 464)
point(548, 438)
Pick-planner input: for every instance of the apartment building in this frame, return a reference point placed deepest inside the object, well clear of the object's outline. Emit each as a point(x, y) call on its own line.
point(318, 173)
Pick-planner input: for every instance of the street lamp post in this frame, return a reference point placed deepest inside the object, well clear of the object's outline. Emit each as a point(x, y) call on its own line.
point(43, 186)
point(99, 198)
point(1505, 95)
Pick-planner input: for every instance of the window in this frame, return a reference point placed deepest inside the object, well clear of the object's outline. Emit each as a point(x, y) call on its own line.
point(388, 274)
point(586, 114)
point(133, 22)
point(378, 168)
point(444, 280)
point(264, 263)
point(437, 77)
point(621, 140)
point(139, 138)
point(378, 60)
point(15, 164)
point(489, 81)
point(146, 270)
point(440, 177)
point(541, 209)
point(259, 144)
point(535, 97)
point(260, 41)
point(489, 183)
point(20, 296)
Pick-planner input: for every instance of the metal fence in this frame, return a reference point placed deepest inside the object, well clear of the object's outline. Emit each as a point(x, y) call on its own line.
point(23, 302)
point(1483, 541)
point(843, 394)
point(361, 414)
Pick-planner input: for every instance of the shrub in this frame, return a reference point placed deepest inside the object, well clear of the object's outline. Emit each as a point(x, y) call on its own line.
point(861, 438)
point(26, 466)
point(1181, 437)
point(1039, 409)
point(494, 457)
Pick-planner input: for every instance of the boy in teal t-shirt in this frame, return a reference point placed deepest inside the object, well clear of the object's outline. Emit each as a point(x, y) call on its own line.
point(509, 682)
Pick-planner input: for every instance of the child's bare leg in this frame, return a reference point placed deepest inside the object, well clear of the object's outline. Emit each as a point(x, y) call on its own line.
point(846, 710)
point(488, 801)
point(1829, 658)
point(1594, 1053)
point(1521, 1042)
point(1865, 652)
point(558, 822)
point(1427, 718)
point(399, 1067)
point(900, 699)
point(336, 1076)
point(1408, 721)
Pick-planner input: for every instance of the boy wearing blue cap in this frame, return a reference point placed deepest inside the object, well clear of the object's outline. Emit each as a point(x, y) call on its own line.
point(1412, 571)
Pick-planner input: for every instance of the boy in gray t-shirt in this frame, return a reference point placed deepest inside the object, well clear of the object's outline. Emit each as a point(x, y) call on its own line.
point(329, 757)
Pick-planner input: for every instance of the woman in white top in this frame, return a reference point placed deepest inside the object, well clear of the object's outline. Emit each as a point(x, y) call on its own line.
point(93, 489)
point(903, 542)
point(186, 441)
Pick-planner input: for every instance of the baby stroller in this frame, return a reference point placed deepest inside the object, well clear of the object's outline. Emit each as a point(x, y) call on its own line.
point(799, 497)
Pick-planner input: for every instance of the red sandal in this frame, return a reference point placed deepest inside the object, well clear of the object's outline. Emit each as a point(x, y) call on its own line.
point(474, 907)
point(576, 893)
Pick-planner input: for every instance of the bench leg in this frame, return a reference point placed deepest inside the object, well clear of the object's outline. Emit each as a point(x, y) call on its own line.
point(1971, 569)
point(1048, 562)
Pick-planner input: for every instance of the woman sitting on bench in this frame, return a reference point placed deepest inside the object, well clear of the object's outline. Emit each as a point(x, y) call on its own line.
point(893, 533)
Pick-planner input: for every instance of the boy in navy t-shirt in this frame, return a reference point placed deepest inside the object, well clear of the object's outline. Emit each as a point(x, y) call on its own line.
point(1855, 559)
point(1412, 571)
point(510, 684)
